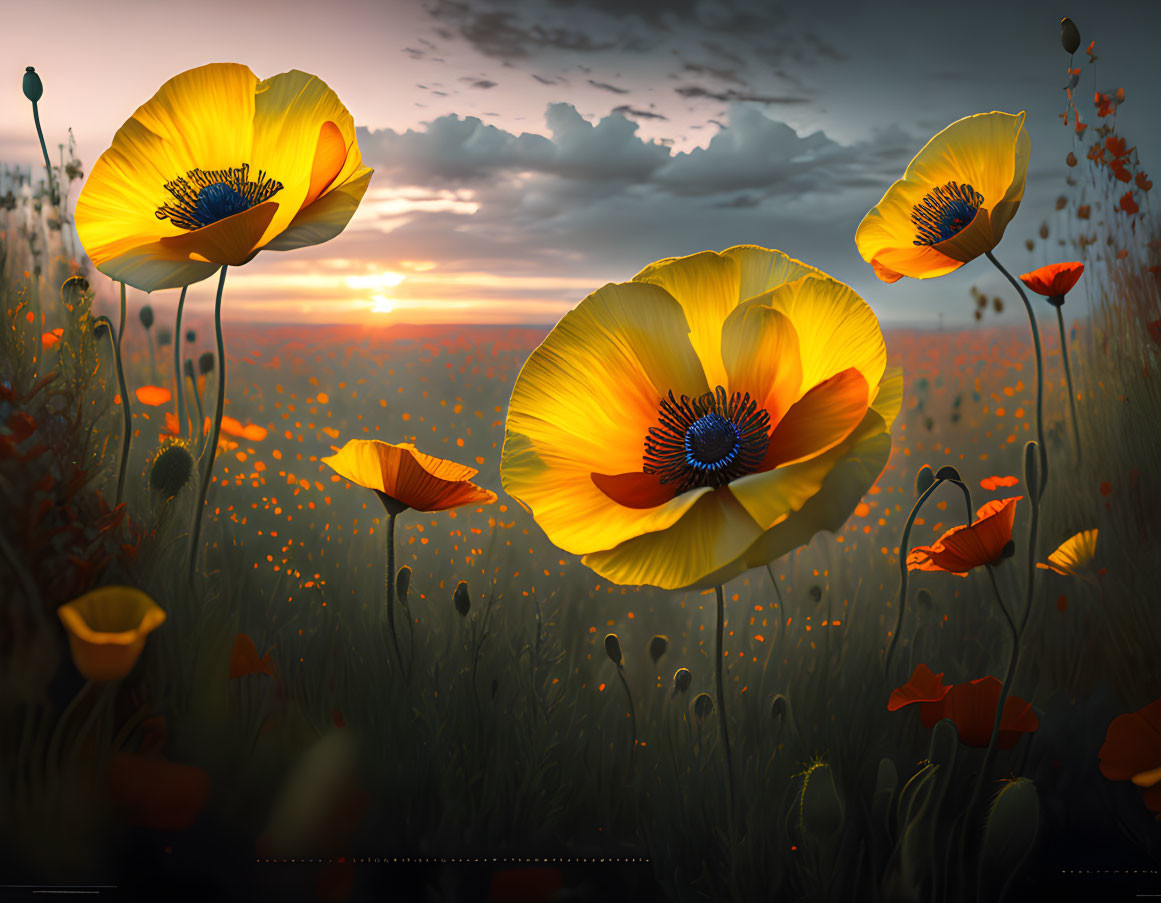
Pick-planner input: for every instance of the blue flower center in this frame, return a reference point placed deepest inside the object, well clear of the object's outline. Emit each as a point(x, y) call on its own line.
point(945, 212)
point(203, 197)
point(706, 441)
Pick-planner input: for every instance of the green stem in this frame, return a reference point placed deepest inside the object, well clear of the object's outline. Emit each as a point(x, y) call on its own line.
point(722, 699)
point(121, 328)
point(903, 571)
point(44, 150)
point(632, 716)
point(1068, 380)
point(221, 400)
point(196, 427)
point(126, 414)
point(178, 379)
point(391, 587)
point(1043, 475)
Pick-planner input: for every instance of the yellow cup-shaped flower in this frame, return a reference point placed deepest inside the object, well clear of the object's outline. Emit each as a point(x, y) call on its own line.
point(216, 167)
point(707, 417)
point(954, 201)
point(107, 629)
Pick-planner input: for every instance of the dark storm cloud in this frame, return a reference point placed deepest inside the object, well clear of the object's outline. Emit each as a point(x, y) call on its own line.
point(626, 110)
point(691, 92)
point(482, 83)
point(506, 36)
point(725, 74)
point(605, 86)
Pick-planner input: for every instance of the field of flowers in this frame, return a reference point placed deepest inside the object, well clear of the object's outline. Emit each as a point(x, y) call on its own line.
point(312, 688)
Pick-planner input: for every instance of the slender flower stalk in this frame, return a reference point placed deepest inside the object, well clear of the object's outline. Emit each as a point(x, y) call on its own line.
point(632, 715)
point(102, 323)
point(179, 382)
point(1043, 473)
point(33, 90)
point(217, 428)
point(390, 581)
point(192, 377)
point(121, 328)
point(902, 601)
point(722, 698)
point(1068, 381)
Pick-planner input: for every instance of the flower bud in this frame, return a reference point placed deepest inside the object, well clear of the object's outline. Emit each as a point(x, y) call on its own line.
point(1032, 467)
point(206, 362)
point(171, 470)
point(33, 87)
point(462, 599)
point(947, 472)
point(682, 678)
point(402, 583)
point(1069, 36)
point(779, 707)
point(703, 707)
point(923, 480)
point(923, 597)
point(613, 649)
point(1010, 831)
point(657, 647)
point(146, 315)
point(822, 809)
point(815, 592)
point(191, 336)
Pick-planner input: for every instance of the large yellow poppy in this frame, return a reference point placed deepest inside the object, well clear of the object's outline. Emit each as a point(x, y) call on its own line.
point(707, 417)
point(216, 167)
point(954, 201)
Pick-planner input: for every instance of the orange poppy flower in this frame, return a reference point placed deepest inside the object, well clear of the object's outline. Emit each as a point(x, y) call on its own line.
point(244, 659)
point(1128, 204)
point(1132, 752)
point(404, 477)
point(154, 793)
point(107, 629)
point(1054, 281)
point(153, 395)
point(250, 431)
point(971, 707)
point(49, 339)
point(995, 482)
point(965, 547)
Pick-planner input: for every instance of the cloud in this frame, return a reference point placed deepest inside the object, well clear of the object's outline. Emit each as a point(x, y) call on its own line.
point(626, 110)
point(604, 86)
point(730, 95)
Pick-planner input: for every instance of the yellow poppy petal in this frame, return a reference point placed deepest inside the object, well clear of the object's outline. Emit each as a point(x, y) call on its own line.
point(836, 329)
point(154, 266)
point(1072, 554)
point(761, 269)
point(583, 403)
point(708, 537)
point(325, 218)
point(760, 351)
point(889, 399)
point(706, 286)
point(330, 153)
point(290, 112)
point(230, 241)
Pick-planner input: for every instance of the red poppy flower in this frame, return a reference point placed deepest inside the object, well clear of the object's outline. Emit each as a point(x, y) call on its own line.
point(972, 708)
point(244, 659)
point(923, 687)
point(994, 482)
point(1143, 182)
point(52, 338)
point(1128, 204)
point(1132, 752)
point(1054, 280)
point(1122, 174)
point(965, 547)
point(1116, 146)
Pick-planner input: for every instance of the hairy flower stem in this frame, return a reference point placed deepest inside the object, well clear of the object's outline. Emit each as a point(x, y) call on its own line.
point(1068, 380)
point(722, 700)
point(903, 571)
point(194, 549)
point(179, 381)
point(1043, 475)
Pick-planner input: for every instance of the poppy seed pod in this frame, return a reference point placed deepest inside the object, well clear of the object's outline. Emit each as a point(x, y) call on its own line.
point(923, 480)
point(1069, 36)
point(682, 678)
point(33, 87)
point(947, 472)
point(462, 599)
point(191, 336)
point(657, 647)
point(703, 706)
point(403, 583)
point(171, 470)
point(613, 649)
point(146, 315)
point(206, 362)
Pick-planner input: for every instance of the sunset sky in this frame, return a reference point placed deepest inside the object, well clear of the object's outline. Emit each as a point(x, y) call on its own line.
point(528, 151)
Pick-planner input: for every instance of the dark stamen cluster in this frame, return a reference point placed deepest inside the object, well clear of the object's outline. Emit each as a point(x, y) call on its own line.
point(706, 441)
point(206, 196)
point(944, 212)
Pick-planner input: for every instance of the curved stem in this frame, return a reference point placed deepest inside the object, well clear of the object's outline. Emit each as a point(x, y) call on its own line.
point(903, 571)
point(1043, 475)
point(221, 400)
point(121, 328)
point(179, 381)
point(44, 150)
point(632, 716)
point(391, 587)
point(197, 427)
point(722, 699)
point(1068, 380)
point(127, 417)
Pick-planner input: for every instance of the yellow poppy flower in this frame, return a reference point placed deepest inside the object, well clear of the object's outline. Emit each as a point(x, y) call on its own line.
point(216, 167)
point(954, 201)
point(1073, 555)
point(707, 417)
point(107, 629)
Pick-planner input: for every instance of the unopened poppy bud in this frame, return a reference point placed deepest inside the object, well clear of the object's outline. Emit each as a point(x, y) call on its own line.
point(947, 472)
point(998, 305)
point(402, 583)
point(146, 314)
point(101, 326)
point(923, 480)
point(1070, 159)
point(1044, 226)
point(923, 597)
point(703, 706)
point(33, 87)
point(171, 470)
point(1011, 828)
point(463, 599)
point(206, 362)
point(682, 678)
point(657, 647)
point(1031, 470)
point(1069, 36)
point(779, 707)
point(815, 593)
point(191, 336)
point(1030, 245)
point(613, 649)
